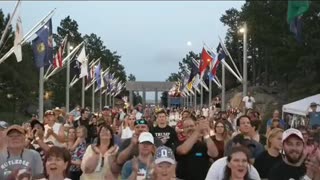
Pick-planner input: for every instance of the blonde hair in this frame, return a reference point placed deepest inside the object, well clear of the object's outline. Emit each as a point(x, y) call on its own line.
point(84, 130)
point(273, 133)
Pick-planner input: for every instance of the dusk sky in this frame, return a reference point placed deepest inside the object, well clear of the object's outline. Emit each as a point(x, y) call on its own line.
point(151, 37)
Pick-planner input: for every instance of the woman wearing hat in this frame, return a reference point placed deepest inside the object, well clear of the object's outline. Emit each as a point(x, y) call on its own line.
point(164, 164)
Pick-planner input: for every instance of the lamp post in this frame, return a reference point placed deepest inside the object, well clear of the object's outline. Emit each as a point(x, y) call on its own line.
point(244, 31)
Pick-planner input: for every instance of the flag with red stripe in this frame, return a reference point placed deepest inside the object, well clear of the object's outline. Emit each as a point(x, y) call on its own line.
point(206, 59)
point(57, 61)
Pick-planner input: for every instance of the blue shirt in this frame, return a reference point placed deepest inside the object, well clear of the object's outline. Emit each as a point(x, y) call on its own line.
point(282, 123)
point(314, 118)
point(127, 170)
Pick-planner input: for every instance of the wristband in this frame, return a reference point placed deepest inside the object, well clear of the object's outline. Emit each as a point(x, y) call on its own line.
point(37, 138)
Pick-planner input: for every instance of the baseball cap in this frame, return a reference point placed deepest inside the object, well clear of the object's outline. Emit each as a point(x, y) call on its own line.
point(17, 128)
point(164, 154)
point(49, 112)
point(3, 125)
point(105, 108)
point(290, 132)
point(140, 121)
point(146, 137)
point(34, 122)
point(313, 104)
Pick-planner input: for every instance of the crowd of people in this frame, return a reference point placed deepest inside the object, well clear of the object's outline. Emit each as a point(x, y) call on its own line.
point(143, 142)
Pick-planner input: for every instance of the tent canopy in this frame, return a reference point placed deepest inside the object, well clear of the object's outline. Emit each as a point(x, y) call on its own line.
point(302, 106)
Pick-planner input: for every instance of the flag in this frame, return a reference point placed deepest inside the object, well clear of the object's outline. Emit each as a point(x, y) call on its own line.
point(18, 39)
point(57, 61)
point(98, 75)
point(84, 63)
point(221, 56)
point(75, 69)
point(194, 72)
point(206, 59)
point(42, 46)
point(295, 11)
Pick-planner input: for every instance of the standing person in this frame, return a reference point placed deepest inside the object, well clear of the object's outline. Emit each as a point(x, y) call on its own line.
point(85, 121)
point(314, 116)
point(57, 163)
point(127, 127)
point(179, 127)
point(245, 127)
point(217, 169)
point(193, 154)
point(77, 150)
point(220, 138)
point(205, 111)
point(165, 164)
point(36, 138)
point(139, 167)
point(95, 162)
point(248, 101)
point(53, 131)
point(275, 118)
point(269, 158)
point(163, 131)
point(16, 156)
point(294, 164)
point(3, 143)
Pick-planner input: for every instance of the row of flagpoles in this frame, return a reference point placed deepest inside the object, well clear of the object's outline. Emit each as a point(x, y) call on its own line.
point(90, 73)
point(192, 79)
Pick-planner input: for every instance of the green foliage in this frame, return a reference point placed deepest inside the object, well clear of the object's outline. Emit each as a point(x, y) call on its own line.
point(21, 80)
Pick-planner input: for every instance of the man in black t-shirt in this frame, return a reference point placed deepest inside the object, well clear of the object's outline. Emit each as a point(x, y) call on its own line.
point(294, 165)
point(163, 131)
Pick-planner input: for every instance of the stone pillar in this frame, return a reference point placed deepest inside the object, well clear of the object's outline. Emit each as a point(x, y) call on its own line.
point(131, 97)
point(144, 98)
point(169, 101)
point(156, 96)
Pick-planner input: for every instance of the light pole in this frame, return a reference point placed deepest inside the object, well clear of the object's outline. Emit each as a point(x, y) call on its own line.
point(244, 31)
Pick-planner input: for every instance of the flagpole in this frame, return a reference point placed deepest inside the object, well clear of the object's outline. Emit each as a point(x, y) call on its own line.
point(100, 100)
point(28, 35)
point(9, 22)
point(223, 96)
point(106, 98)
point(68, 80)
point(195, 99)
point(41, 94)
point(82, 92)
point(93, 88)
point(113, 102)
point(210, 87)
point(110, 99)
point(201, 97)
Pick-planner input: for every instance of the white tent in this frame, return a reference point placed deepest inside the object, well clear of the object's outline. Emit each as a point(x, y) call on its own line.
point(302, 106)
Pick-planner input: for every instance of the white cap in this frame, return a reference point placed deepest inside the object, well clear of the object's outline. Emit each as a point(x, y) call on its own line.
point(146, 137)
point(289, 132)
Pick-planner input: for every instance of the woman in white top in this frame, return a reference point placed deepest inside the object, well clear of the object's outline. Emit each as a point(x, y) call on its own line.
point(53, 131)
point(127, 127)
point(95, 162)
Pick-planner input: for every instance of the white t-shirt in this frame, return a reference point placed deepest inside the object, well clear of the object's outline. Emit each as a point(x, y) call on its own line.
point(138, 115)
point(248, 104)
point(127, 133)
point(205, 112)
point(217, 169)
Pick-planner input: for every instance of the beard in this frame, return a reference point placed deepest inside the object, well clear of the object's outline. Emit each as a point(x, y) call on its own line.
point(292, 158)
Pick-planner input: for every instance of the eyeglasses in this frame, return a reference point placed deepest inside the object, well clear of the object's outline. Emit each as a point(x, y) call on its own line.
point(15, 135)
point(220, 126)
